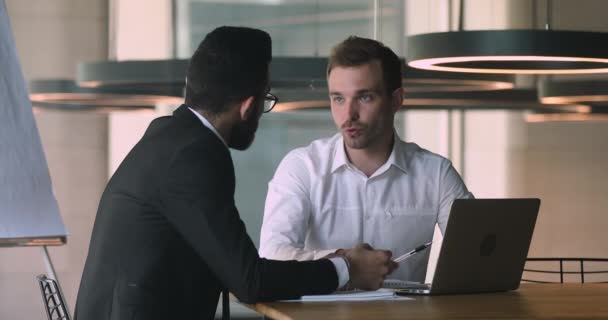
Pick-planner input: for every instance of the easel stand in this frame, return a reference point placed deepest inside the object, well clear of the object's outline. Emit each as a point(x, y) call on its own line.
point(50, 270)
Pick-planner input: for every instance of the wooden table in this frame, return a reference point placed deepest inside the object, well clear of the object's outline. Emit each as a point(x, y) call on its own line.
point(531, 301)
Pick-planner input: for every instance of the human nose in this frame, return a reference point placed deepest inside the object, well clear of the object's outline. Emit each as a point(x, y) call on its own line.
point(353, 109)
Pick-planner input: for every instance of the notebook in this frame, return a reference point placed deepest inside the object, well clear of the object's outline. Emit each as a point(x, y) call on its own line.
point(484, 248)
point(355, 295)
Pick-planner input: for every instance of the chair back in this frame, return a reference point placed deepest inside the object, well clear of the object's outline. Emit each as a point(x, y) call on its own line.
point(560, 270)
point(54, 303)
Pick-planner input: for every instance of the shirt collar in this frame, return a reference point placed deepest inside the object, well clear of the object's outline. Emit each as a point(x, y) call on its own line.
point(397, 158)
point(340, 158)
point(208, 124)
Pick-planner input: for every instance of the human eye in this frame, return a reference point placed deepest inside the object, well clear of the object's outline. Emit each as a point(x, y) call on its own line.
point(337, 99)
point(366, 97)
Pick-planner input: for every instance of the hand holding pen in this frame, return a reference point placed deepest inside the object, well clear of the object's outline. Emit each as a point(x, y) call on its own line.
point(413, 252)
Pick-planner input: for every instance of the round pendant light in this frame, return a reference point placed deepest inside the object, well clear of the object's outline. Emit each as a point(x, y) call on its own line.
point(66, 95)
point(552, 91)
point(514, 100)
point(310, 73)
point(132, 74)
point(510, 51)
point(419, 80)
point(596, 113)
point(300, 82)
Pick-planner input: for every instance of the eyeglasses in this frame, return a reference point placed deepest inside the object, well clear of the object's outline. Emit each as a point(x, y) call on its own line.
point(269, 102)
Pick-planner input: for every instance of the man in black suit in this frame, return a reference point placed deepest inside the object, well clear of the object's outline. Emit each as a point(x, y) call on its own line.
point(168, 237)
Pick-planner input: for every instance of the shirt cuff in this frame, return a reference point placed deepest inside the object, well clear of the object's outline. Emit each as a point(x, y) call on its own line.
point(341, 270)
point(320, 254)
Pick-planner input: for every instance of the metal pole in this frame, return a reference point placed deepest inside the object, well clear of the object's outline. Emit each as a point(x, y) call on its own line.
point(561, 270)
point(462, 137)
point(582, 272)
point(403, 53)
point(377, 21)
point(462, 143)
point(460, 16)
point(112, 29)
point(174, 29)
point(548, 22)
point(317, 28)
point(450, 151)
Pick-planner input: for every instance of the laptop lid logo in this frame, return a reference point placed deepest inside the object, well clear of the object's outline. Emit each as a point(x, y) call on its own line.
point(487, 245)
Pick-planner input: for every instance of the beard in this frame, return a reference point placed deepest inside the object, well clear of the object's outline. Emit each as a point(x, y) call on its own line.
point(365, 136)
point(368, 134)
point(243, 133)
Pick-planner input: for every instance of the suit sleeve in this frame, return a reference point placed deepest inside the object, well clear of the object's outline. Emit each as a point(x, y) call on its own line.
point(198, 199)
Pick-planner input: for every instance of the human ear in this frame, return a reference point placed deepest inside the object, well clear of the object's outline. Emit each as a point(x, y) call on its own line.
point(247, 108)
point(397, 99)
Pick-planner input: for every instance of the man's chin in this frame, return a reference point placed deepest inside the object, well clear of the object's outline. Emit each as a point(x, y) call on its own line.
point(242, 145)
point(354, 143)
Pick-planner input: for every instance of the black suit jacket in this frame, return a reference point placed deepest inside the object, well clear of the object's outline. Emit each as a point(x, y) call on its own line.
point(167, 237)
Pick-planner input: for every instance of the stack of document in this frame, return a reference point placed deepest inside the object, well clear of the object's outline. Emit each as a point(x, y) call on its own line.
point(357, 295)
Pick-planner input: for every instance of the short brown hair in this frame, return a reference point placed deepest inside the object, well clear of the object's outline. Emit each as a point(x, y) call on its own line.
point(355, 51)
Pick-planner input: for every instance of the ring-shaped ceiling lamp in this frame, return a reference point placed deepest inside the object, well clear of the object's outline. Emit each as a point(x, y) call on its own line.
point(66, 95)
point(596, 113)
point(510, 51)
point(309, 73)
point(286, 72)
point(514, 100)
point(147, 74)
point(554, 91)
point(292, 78)
point(419, 80)
point(300, 83)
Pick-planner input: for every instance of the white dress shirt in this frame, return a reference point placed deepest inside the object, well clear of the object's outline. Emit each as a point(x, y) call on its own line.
point(208, 124)
point(319, 202)
point(339, 263)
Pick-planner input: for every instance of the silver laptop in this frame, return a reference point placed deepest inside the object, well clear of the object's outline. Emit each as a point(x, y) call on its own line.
point(484, 248)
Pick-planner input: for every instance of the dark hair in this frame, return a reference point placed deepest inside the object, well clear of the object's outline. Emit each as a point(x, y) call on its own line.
point(229, 65)
point(356, 51)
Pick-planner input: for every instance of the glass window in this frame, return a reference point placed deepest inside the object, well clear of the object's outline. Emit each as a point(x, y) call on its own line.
point(299, 28)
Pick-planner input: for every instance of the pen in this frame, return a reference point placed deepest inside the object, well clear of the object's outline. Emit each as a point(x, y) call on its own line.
point(413, 252)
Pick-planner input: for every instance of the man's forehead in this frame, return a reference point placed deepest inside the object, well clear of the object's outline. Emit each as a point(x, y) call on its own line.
point(355, 79)
point(371, 69)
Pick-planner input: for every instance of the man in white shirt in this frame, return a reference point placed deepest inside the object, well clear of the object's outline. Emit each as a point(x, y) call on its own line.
point(364, 184)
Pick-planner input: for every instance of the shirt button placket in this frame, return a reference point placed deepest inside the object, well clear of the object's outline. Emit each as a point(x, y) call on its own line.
point(367, 211)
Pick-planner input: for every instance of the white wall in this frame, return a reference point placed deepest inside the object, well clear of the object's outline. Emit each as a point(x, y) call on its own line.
point(565, 165)
point(142, 29)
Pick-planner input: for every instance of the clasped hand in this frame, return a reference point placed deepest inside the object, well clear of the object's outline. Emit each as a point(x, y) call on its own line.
point(368, 267)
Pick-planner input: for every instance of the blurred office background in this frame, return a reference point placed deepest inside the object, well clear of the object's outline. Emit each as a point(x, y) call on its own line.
point(561, 162)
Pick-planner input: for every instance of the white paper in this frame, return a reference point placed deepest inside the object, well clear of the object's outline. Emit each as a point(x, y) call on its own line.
point(380, 294)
